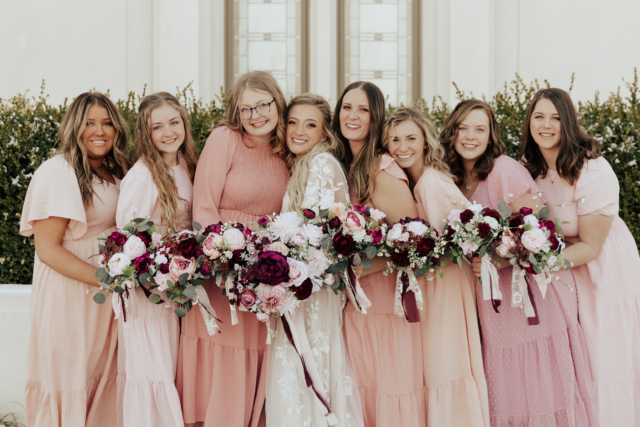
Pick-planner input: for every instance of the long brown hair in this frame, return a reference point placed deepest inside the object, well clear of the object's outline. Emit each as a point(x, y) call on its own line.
point(146, 150)
point(576, 145)
point(73, 148)
point(449, 135)
point(362, 178)
point(265, 83)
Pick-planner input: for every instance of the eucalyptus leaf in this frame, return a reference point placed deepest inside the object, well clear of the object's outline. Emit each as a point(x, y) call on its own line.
point(421, 272)
point(324, 242)
point(118, 289)
point(197, 282)
point(469, 227)
point(152, 229)
point(99, 298)
point(144, 278)
point(143, 227)
point(170, 284)
point(218, 278)
point(371, 252)
point(201, 238)
point(356, 259)
point(367, 264)
point(138, 220)
point(101, 247)
point(189, 292)
point(196, 225)
point(441, 274)
point(154, 298)
point(332, 269)
point(102, 274)
point(110, 280)
point(183, 278)
point(180, 312)
point(532, 259)
point(153, 286)
point(324, 212)
point(342, 265)
point(483, 251)
point(544, 213)
point(504, 209)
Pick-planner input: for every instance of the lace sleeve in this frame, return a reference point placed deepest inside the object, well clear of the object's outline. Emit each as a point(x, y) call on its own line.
point(327, 183)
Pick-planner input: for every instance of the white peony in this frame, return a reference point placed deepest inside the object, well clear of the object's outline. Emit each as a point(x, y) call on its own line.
point(475, 208)
point(234, 238)
point(417, 228)
point(376, 214)
point(117, 263)
point(285, 225)
point(161, 259)
point(395, 233)
point(535, 240)
point(317, 262)
point(532, 221)
point(313, 233)
point(492, 222)
point(134, 247)
point(359, 236)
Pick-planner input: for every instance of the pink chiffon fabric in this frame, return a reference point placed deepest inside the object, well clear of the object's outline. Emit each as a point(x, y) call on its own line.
point(608, 290)
point(385, 350)
point(148, 342)
point(71, 366)
point(537, 375)
point(221, 378)
point(453, 370)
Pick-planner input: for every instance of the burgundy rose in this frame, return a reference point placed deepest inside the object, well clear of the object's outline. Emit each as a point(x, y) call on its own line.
point(549, 225)
point(335, 223)
point(526, 211)
point(484, 230)
point(435, 260)
point(530, 270)
point(449, 232)
point(344, 244)
point(554, 242)
point(164, 268)
point(213, 228)
point(188, 247)
point(236, 258)
point(360, 208)
point(401, 259)
point(142, 263)
point(199, 252)
point(240, 226)
point(309, 214)
point(425, 246)
point(145, 237)
point(303, 291)
point(515, 221)
point(491, 213)
point(376, 235)
point(262, 222)
point(248, 298)
point(466, 216)
point(271, 268)
point(205, 270)
point(118, 238)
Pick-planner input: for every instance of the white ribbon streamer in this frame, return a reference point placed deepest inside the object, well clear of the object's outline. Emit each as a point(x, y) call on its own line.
point(398, 308)
point(543, 282)
point(269, 331)
point(130, 305)
point(490, 279)
point(360, 300)
point(519, 292)
point(228, 284)
point(208, 313)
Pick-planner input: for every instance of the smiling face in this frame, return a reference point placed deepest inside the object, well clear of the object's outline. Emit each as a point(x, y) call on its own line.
point(304, 129)
point(407, 145)
point(355, 116)
point(98, 134)
point(545, 125)
point(167, 132)
point(259, 127)
point(473, 136)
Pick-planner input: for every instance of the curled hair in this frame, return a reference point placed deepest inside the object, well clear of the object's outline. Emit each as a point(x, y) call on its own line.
point(146, 150)
point(75, 152)
point(300, 166)
point(449, 135)
point(262, 82)
point(434, 155)
point(362, 177)
point(576, 145)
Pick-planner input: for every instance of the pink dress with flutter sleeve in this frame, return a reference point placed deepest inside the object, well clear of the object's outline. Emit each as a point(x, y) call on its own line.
point(385, 350)
point(221, 378)
point(537, 375)
point(148, 342)
point(608, 289)
point(71, 366)
point(453, 370)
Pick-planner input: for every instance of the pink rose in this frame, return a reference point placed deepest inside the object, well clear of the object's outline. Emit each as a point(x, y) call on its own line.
point(134, 247)
point(298, 272)
point(353, 222)
point(161, 280)
point(235, 239)
point(211, 244)
point(262, 317)
point(329, 279)
point(156, 238)
point(279, 247)
point(248, 298)
point(506, 245)
point(298, 240)
point(454, 216)
point(180, 265)
point(468, 247)
point(376, 214)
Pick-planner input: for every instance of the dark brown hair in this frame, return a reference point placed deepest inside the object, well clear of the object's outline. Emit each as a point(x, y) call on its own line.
point(576, 145)
point(362, 178)
point(449, 135)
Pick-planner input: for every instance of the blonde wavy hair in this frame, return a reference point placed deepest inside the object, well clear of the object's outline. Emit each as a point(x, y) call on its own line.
point(262, 82)
point(300, 166)
point(146, 150)
point(75, 152)
point(434, 154)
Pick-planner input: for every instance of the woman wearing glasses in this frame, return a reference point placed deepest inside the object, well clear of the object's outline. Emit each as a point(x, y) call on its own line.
point(221, 378)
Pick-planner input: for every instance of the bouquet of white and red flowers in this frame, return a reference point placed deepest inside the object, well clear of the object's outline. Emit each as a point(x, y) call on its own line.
point(412, 245)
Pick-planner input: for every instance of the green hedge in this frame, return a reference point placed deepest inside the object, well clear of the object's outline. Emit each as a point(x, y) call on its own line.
point(28, 129)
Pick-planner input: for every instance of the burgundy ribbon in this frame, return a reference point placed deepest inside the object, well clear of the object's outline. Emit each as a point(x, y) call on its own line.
point(533, 321)
point(352, 280)
point(124, 312)
point(409, 301)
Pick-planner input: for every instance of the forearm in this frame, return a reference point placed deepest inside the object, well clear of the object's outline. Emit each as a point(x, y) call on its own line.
point(64, 262)
point(580, 253)
point(378, 264)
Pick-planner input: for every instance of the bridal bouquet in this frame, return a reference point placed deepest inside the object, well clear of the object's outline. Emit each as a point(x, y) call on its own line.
point(412, 245)
point(353, 235)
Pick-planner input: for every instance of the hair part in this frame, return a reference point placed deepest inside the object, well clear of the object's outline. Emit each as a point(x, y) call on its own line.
point(576, 145)
point(73, 149)
point(449, 136)
point(367, 165)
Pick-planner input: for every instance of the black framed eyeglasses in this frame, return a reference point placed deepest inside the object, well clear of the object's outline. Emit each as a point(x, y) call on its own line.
point(262, 110)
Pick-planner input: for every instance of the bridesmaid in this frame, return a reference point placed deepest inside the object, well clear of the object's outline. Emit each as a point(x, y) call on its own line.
point(385, 350)
point(160, 186)
point(317, 182)
point(70, 203)
point(582, 188)
point(536, 369)
point(454, 376)
point(221, 378)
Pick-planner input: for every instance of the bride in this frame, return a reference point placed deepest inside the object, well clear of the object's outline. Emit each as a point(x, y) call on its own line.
point(317, 181)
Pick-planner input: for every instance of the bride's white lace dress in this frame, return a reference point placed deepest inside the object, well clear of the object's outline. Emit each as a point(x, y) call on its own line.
point(290, 403)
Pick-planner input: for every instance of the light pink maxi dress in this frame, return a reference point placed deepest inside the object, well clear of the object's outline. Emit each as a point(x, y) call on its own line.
point(385, 350)
point(453, 370)
point(537, 375)
point(222, 378)
point(148, 342)
point(608, 290)
point(71, 368)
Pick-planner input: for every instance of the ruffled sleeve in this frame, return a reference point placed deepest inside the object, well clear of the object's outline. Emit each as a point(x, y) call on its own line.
point(390, 166)
point(326, 184)
point(438, 195)
point(597, 189)
point(509, 181)
point(138, 193)
point(54, 192)
point(211, 174)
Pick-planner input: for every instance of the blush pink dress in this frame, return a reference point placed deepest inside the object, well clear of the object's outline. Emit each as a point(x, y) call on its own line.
point(453, 370)
point(71, 367)
point(385, 350)
point(148, 342)
point(537, 375)
point(608, 289)
point(222, 378)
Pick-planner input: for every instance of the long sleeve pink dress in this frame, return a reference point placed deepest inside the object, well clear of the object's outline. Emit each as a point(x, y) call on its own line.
point(221, 378)
point(453, 371)
point(71, 367)
point(385, 350)
point(537, 375)
point(148, 342)
point(608, 289)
